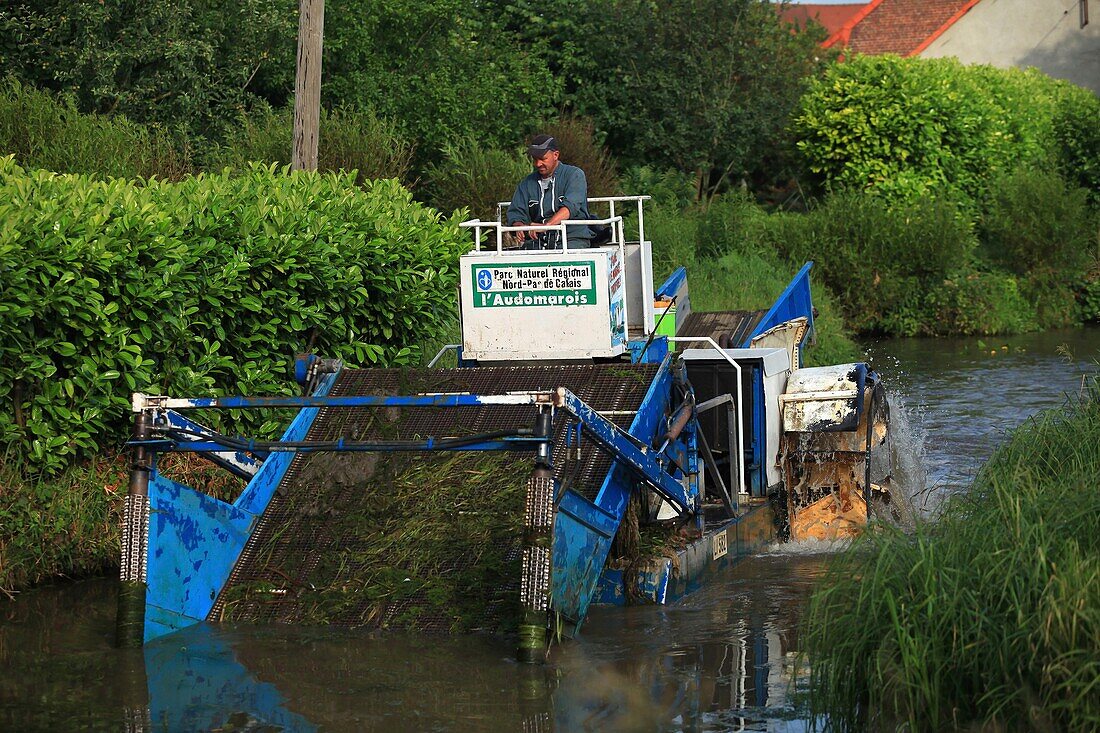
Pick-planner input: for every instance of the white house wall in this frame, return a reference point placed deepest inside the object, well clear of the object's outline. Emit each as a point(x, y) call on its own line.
point(1046, 34)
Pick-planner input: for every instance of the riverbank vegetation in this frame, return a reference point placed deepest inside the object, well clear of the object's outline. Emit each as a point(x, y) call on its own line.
point(988, 619)
point(991, 173)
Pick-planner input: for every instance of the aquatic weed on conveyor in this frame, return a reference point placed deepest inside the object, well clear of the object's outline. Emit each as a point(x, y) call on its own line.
point(489, 496)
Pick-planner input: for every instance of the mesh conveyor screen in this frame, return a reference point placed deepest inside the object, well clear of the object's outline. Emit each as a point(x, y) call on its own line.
point(419, 540)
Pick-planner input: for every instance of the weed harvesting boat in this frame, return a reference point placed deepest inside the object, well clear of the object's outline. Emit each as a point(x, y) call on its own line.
point(597, 442)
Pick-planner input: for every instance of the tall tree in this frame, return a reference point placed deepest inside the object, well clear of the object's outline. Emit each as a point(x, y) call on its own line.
point(699, 85)
point(438, 68)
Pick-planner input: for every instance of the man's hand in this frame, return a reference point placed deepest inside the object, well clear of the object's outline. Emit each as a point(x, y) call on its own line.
point(520, 235)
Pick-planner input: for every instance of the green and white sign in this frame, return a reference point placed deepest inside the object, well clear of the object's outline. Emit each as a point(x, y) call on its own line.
point(526, 284)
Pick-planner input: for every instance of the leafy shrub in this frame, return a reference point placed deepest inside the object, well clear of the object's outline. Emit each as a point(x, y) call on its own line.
point(1088, 300)
point(929, 125)
point(348, 141)
point(668, 189)
point(1041, 229)
point(44, 132)
point(1078, 137)
point(977, 303)
point(731, 224)
point(471, 176)
point(205, 286)
point(877, 258)
point(181, 64)
point(1035, 224)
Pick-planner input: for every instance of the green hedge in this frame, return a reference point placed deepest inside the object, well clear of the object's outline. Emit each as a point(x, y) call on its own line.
point(205, 286)
point(918, 126)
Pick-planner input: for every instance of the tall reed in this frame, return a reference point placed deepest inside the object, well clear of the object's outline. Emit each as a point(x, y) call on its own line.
point(988, 619)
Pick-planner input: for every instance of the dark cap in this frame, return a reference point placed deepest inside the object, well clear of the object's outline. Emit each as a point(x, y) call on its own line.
point(541, 145)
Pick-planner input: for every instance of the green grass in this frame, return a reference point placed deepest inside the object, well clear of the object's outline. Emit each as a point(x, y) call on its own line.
point(988, 619)
point(67, 525)
point(745, 274)
point(44, 132)
point(752, 282)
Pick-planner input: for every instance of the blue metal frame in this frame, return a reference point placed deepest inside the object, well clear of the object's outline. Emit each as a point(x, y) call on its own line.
point(584, 529)
point(794, 302)
point(341, 445)
point(628, 451)
point(195, 539)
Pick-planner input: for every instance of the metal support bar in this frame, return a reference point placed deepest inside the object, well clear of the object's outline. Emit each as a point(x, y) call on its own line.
point(182, 429)
point(740, 400)
point(441, 352)
point(731, 416)
point(206, 448)
point(724, 493)
point(442, 399)
point(214, 443)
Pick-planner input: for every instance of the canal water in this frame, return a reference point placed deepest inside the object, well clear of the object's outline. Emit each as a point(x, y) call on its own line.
point(726, 658)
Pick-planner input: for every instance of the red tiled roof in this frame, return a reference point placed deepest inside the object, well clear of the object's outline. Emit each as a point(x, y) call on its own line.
point(833, 17)
point(904, 27)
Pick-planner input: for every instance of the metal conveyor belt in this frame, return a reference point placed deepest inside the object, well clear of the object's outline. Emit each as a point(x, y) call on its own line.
point(419, 540)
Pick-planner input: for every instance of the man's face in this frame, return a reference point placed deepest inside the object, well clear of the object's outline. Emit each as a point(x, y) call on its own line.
point(546, 164)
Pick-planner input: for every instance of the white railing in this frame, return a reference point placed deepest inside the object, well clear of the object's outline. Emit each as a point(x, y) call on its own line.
point(479, 226)
point(609, 200)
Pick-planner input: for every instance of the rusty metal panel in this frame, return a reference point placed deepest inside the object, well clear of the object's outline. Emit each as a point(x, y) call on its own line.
point(824, 399)
point(729, 329)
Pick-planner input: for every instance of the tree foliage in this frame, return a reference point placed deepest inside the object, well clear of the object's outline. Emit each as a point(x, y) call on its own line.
point(698, 85)
point(190, 64)
point(438, 69)
point(915, 126)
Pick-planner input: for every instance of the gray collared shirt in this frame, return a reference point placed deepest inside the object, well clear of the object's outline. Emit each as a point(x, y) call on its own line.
point(536, 200)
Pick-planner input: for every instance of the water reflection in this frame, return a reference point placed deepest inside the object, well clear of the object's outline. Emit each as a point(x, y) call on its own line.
point(725, 660)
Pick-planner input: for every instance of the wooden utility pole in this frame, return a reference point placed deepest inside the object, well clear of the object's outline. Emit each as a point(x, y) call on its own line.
point(307, 83)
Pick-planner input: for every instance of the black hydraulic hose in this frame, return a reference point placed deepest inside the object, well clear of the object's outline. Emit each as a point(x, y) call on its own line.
point(335, 445)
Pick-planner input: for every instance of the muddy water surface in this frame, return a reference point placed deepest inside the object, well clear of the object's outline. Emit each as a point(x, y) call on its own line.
point(725, 658)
